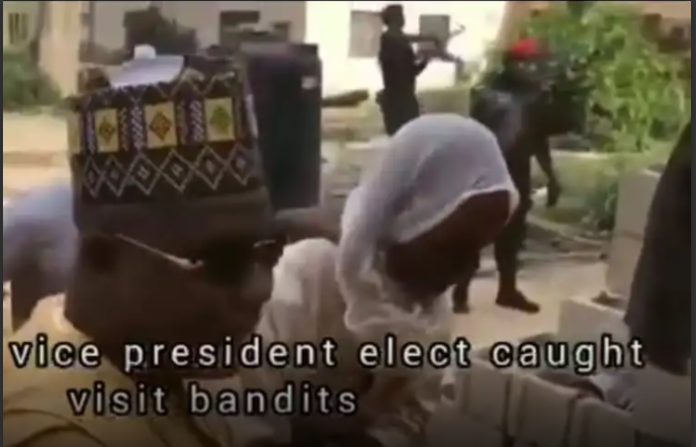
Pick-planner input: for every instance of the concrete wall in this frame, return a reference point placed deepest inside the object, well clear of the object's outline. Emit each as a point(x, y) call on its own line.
point(636, 191)
point(204, 17)
point(29, 8)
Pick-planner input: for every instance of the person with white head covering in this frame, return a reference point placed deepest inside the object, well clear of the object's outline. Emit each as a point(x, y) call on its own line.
point(440, 193)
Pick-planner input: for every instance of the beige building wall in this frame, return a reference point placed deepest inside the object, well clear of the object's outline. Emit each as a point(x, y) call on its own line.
point(106, 17)
point(60, 42)
point(25, 11)
point(325, 23)
point(59, 36)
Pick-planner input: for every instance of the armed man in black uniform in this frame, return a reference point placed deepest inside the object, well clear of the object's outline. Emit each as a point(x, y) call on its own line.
point(512, 105)
point(400, 68)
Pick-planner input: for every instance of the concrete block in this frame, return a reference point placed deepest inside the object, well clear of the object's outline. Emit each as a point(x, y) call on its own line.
point(595, 423)
point(663, 406)
point(482, 391)
point(456, 428)
point(650, 441)
point(623, 257)
point(540, 412)
point(581, 319)
point(636, 191)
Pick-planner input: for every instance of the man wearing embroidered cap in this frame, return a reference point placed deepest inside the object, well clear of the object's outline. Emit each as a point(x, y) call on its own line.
point(170, 206)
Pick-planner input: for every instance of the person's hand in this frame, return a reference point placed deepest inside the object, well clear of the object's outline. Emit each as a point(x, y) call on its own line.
point(553, 193)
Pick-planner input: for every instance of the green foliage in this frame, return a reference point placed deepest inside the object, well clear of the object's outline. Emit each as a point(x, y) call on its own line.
point(632, 93)
point(591, 184)
point(24, 86)
point(601, 199)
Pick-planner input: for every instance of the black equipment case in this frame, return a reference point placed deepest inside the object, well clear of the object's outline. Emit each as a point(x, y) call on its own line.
point(285, 80)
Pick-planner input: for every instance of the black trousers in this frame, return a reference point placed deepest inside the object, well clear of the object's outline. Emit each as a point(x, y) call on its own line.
point(398, 110)
point(506, 247)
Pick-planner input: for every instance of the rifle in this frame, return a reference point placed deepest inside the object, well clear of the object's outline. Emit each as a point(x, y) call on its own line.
point(436, 48)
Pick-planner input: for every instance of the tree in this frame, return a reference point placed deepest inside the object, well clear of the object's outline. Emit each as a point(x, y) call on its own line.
point(634, 92)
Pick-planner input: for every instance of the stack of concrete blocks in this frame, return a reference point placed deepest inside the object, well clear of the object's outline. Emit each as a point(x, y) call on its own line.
point(636, 191)
point(663, 402)
point(515, 407)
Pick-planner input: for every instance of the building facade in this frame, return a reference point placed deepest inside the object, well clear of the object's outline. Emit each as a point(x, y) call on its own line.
point(347, 32)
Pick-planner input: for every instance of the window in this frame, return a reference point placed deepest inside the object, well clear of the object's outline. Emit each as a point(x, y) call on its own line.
point(18, 27)
point(365, 31)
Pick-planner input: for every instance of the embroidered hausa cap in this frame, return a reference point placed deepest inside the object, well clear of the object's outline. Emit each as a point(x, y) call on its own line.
point(166, 153)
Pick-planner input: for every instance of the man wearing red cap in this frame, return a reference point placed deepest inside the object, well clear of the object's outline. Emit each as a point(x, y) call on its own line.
point(511, 105)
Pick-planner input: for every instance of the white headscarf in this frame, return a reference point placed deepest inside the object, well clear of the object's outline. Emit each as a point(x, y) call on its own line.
point(430, 167)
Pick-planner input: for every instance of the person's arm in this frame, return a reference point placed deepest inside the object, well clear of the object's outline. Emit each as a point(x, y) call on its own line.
point(412, 402)
point(404, 404)
point(421, 65)
point(507, 121)
point(288, 317)
point(420, 38)
point(542, 153)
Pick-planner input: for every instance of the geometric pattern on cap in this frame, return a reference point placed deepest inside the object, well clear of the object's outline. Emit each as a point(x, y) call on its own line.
point(192, 137)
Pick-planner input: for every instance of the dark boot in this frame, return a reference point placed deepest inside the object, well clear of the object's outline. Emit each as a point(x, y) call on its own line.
point(507, 249)
point(460, 294)
point(460, 299)
point(516, 300)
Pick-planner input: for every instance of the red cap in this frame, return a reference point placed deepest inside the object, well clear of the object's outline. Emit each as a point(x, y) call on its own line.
point(524, 49)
